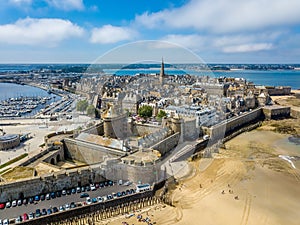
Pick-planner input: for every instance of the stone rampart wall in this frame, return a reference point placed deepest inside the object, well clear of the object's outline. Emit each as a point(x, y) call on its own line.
point(48, 183)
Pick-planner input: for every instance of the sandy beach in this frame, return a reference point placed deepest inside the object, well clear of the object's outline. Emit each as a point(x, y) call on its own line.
point(246, 183)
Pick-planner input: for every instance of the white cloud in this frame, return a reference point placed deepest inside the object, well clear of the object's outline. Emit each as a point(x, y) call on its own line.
point(20, 2)
point(221, 16)
point(31, 31)
point(67, 4)
point(192, 41)
point(253, 47)
point(111, 34)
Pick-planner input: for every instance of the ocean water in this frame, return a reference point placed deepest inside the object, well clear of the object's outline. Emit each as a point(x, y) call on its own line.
point(268, 78)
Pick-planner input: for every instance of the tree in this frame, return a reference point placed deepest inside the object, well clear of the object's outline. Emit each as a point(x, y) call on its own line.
point(91, 111)
point(161, 114)
point(145, 111)
point(82, 105)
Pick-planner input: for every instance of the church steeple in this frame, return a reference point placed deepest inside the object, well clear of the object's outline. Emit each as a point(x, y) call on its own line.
point(162, 71)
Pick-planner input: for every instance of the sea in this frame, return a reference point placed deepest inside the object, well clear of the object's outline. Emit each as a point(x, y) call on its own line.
point(259, 77)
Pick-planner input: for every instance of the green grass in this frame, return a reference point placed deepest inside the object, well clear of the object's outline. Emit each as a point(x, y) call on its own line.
point(14, 160)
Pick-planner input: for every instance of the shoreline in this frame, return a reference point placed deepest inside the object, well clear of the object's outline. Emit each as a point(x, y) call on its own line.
point(236, 186)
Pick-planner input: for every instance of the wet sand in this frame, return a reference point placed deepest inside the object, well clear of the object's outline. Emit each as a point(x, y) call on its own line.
point(267, 187)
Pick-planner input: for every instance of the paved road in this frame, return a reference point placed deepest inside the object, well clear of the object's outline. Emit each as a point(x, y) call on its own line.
point(13, 212)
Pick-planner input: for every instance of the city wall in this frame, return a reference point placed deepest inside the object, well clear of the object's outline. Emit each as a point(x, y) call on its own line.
point(167, 144)
point(88, 152)
point(48, 183)
point(221, 130)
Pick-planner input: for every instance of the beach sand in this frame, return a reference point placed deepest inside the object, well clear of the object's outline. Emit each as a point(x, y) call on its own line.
point(267, 187)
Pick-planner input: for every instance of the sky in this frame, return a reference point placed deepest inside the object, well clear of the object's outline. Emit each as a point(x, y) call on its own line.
point(81, 31)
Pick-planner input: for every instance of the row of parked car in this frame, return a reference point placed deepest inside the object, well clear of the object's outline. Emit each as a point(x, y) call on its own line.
point(52, 195)
point(43, 212)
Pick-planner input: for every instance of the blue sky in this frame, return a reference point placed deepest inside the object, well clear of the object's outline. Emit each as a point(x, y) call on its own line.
point(219, 31)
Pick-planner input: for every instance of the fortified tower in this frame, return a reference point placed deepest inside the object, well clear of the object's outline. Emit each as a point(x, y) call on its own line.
point(115, 123)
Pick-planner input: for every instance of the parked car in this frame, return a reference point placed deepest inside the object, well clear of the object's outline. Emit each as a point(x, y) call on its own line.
point(63, 192)
point(24, 201)
point(48, 196)
point(72, 205)
point(100, 199)
point(5, 222)
point(18, 219)
point(30, 216)
point(49, 211)
point(25, 216)
point(78, 189)
point(88, 201)
point(37, 213)
point(53, 195)
point(73, 191)
point(36, 198)
point(55, 209)
point(93, 188)
point(61, 208)
point(67, 206)
point(58, 194)
point(84, 195)
point(2, 205)
point(8, 205)
point(94, 200)
point(30, 200)
point(14, 203)
point(44, 212)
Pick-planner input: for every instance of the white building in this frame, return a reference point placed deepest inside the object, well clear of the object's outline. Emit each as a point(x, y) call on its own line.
point(205, 116)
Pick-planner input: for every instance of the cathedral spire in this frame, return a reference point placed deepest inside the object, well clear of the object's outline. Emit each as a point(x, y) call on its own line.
point(162, 71)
